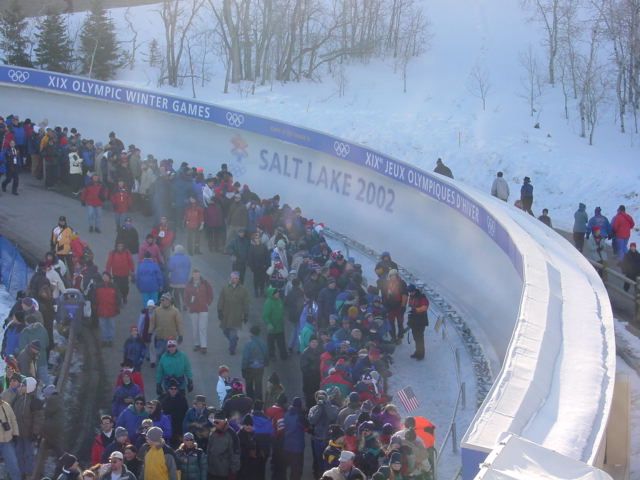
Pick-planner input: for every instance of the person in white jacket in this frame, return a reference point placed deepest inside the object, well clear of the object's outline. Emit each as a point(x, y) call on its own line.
point(500, 187)
point(224, 384)
point(75, 170)
point(56, 282)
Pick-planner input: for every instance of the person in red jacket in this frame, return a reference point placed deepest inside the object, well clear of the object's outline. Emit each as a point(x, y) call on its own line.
point(120, 266)
point(198, 295)
point(164, 236)
point(104, 438)
point(276, 413)
point(194, 223)
point(621, 226)
point(121, 201)
point(93, 196)
point(107, 301)
point(150, 245)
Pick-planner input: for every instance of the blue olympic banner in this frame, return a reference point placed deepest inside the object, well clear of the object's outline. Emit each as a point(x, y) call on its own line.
point(427, 183)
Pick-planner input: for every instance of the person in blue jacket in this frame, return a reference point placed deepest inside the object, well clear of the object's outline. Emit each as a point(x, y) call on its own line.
point(154, 410)
point(124, 395)
point(11, 339)
point(149, 279)
point(294, 428)
point(132, 416)
point(134, 349)
point(599, 220)
point(526, 195)
point(179, 267)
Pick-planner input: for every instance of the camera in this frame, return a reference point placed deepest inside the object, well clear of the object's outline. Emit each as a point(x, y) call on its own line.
point(6, 426)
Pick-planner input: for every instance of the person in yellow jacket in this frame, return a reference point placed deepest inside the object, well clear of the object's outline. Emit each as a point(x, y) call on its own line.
point(166, 323)
point(61, 237)
point(158, 460)
point(8, 431)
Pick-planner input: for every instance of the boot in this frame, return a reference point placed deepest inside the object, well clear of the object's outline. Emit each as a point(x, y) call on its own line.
point(203, 350)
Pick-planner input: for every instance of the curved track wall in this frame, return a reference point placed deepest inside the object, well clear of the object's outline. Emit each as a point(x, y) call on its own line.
point(476, 251)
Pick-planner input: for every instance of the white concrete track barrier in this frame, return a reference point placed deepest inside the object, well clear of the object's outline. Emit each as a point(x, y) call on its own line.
point(538, 308)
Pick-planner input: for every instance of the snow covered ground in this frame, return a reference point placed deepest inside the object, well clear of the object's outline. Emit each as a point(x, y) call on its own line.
point(439, 117)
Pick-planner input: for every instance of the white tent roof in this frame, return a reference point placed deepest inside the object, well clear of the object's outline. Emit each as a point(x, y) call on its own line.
point(520, 459)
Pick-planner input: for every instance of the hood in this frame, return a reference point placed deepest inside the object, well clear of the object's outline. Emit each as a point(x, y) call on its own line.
point(582, 206)
point(271, 292)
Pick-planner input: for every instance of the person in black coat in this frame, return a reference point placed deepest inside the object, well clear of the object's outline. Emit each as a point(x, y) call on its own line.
point(128, 235)
point(631, 264)
point(442, 169)
point(310, 367)
point(250, 460)
point(258, 260)
point(175, 405)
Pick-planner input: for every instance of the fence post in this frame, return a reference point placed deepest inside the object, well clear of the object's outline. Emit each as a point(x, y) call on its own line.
point(637, 309)
point(454, 438)
point(457, 353)
point(463, 395)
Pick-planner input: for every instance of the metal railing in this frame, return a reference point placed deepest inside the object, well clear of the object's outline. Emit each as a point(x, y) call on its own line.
point(632, 294)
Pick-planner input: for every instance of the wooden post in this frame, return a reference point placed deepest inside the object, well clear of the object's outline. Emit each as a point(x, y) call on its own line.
point(637, 305)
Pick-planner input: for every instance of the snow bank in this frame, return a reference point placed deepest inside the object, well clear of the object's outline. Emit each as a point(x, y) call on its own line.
point(534, 302)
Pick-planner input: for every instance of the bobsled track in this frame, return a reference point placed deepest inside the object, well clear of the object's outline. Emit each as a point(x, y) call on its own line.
point(535, 305)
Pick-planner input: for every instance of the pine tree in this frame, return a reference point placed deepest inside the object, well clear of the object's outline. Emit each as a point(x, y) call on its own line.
point(13, 40)
point(54, 50)
point(155, 57)
point(99, 52)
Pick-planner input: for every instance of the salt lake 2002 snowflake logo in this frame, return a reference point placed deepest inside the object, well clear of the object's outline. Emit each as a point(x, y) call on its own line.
point(239, 152)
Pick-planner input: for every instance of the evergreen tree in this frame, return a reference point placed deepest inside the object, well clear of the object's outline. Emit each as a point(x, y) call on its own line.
point(13, 40)
point(155, 56)
point(54, 50)
point(99, 52)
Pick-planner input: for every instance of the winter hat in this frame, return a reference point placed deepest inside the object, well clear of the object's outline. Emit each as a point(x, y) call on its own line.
point(219, 415)
point(396, 457)
point(30, 383)
point(320, 394)
point(172, 342)
point(200, 399)
point(188, 436)
point(598, 210)
point(178, 249)
point(281, 243)
point(147, 423)
point(368, 425)
point(116, 454)
point(335, 432)
point(387, 429)
point(247, 420)
point(346, 455)
point(154, 434)
point(297, 402)
point(67, 460)
point(354, 397)
point(166, 296)
point(121, 432)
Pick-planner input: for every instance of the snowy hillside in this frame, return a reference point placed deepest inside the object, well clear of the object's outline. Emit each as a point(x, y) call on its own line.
point(439, 116)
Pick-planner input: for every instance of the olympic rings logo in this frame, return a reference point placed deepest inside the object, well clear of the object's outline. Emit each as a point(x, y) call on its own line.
point(235, 119)
point(18, 76)
point(341, 149)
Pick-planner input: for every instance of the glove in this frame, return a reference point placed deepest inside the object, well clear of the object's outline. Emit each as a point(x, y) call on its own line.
point(180, 338)
point(159, 389)
point(190, 386)
point(245, 319)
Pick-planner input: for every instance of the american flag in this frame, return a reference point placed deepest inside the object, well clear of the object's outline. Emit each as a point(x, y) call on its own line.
point(408, 399)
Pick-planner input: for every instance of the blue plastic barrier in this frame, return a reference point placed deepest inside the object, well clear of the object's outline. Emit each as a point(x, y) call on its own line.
point(14, 271)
